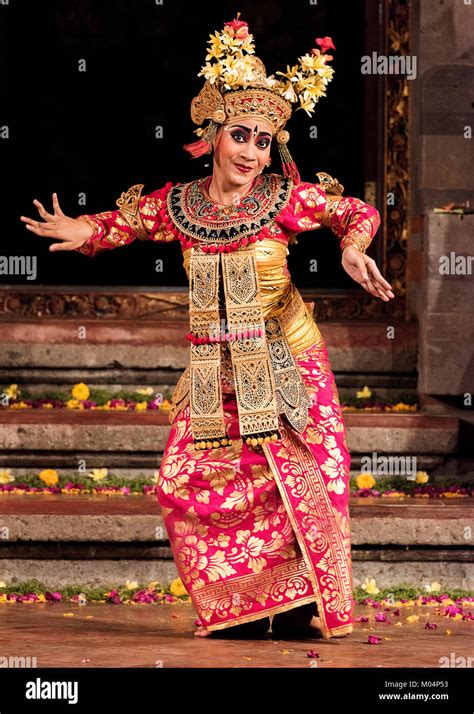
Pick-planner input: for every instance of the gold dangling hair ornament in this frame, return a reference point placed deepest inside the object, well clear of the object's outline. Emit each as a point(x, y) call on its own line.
point(289, 167)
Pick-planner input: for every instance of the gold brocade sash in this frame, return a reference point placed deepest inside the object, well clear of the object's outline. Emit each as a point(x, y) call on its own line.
point(207, 414)
point(267, 379)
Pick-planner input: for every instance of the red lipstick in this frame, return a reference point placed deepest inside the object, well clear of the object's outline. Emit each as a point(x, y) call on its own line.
point(243, 169)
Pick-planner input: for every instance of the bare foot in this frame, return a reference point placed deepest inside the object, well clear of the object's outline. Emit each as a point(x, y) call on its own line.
point(202, 632)
point(314, 628)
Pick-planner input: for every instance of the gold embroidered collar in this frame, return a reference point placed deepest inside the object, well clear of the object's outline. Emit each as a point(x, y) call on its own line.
point(195, 215)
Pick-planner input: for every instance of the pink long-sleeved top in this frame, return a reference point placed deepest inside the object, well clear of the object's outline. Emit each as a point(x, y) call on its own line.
point(274, 212)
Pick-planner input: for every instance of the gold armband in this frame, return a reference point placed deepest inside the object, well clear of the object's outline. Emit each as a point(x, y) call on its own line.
point(329, 184)
point(333, 190)
point(128, 204)
point(359, 242)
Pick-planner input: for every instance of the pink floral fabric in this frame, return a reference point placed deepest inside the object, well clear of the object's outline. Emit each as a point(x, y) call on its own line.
point(256, 531)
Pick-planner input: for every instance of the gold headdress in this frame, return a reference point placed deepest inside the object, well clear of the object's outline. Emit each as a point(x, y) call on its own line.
point(237, 86)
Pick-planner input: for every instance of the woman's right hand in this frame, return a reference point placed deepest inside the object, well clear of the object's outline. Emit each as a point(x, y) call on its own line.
point(74, 232)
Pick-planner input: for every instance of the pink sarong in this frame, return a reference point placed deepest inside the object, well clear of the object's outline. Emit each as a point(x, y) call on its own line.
point(257, 531)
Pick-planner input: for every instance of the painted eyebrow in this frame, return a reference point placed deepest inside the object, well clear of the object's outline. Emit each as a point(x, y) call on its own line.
point(247, 129)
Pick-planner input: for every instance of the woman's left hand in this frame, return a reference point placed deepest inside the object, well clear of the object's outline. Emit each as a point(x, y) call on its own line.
point(364, 271)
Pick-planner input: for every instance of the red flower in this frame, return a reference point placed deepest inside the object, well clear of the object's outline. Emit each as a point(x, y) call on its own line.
point(373, 640)
point(237, 28)
point(325, 43)
point(452, 610)
point(53, 596)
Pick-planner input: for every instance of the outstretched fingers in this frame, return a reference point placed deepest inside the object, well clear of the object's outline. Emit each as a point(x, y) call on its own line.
point(370, 287)
point(372, 280)
point(41, 229)
point(50, 223)
point(379, 281)
point(365, 279)
point(57, 209)
point(42, 211)
point(378, 275)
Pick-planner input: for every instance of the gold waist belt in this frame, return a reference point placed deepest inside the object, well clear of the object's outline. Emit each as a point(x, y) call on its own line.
point(296, 318)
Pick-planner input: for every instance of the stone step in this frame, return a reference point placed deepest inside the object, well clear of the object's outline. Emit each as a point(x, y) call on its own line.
point(388, 380)
point(389, 433)
point(449, 571)
point(61, 540)
point(461, 469)
point(87, 432)
point(126, 472)
point(87, 573)
point(63, 378)
point(118, 463)
point(125, 465)
point(131, 466)
point(374, 521)
point(354, 346)
point(458, 406)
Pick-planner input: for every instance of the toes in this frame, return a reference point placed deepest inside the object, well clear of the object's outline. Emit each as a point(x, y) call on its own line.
point(201, 632)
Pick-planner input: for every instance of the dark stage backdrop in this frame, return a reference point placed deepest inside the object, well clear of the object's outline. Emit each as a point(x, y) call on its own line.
point(94, 132)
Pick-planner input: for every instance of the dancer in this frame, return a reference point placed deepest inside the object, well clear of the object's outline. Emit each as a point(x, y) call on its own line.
point(254, 481)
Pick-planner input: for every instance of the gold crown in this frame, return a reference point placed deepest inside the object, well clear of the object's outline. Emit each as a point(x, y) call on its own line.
point(237, 86)
point(231, 64)
point(257, 101)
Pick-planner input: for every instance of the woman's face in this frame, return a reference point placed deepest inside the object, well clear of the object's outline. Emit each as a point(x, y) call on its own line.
point(239, 145)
